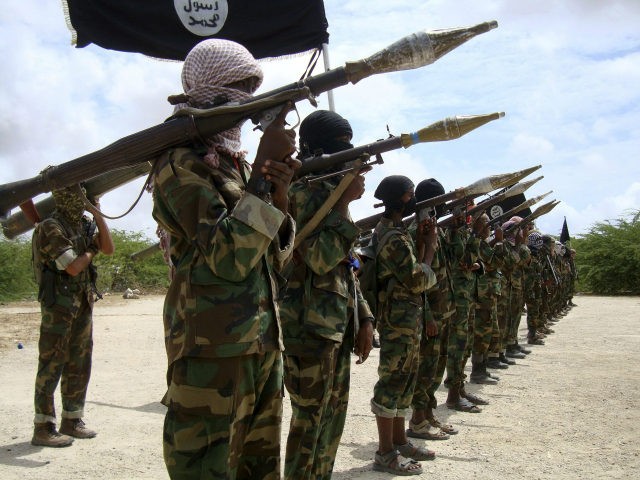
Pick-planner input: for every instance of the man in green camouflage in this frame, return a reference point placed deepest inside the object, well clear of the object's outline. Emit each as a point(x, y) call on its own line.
point(533, 288)
point(491, 252)
point(404, 274)
point(438, 311)
point(463, 274)
point(229, 238)
point(324, 316)
point(516, 302)
point(64, 246)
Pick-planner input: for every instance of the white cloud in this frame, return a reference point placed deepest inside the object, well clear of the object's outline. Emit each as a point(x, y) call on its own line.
point(564, 72)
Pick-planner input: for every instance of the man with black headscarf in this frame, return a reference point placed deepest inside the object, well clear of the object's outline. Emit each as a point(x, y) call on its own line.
point(324, 316)
point(403, 274)
point(64, 246)
point(438, 316)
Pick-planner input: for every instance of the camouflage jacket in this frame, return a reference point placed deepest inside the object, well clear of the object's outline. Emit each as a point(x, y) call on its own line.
point(440, 295)
point(533, 277)
point(225, 247)
point(55, 244)
point(466, 248)
point(489, 283)
point(402, 279)
point(517, 275)
point(322, 291)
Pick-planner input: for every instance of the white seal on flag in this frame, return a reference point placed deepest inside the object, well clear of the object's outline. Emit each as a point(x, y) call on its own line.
point(202, 18)
point(496, 211)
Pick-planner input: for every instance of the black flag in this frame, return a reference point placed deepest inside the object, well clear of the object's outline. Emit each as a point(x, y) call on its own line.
point(564, 235)
point(170, 28)
point(507, 204)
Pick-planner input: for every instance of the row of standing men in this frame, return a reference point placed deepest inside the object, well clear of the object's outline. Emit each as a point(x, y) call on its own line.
point(264, 288)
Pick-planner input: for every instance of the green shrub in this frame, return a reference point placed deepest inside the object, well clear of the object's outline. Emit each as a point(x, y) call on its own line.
point(608, 257)
point(115, 273)
point(17, 281)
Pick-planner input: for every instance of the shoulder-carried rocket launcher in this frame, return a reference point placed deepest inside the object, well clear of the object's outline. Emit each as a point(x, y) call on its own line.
point(477, 188)
point(190, 125)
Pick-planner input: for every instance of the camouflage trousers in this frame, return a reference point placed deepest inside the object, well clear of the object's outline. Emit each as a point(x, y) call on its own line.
point(485, 325)
point(443, 351)
point(397, 375)
point(427, 369)
point(516, 302)
point(223, 418)
point(64, 355)
point(458, 342)
point(533, 312)
point(502, 309)
point(319, 391)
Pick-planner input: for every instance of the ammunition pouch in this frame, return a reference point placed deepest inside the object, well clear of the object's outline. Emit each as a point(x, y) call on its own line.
point(93, 279)
point(47, 290)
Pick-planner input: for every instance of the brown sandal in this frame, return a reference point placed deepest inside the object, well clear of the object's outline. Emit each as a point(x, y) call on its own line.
point(409, 450)
point(445, 427)
point(473, 398)
point(426, 431)
point(390, 463)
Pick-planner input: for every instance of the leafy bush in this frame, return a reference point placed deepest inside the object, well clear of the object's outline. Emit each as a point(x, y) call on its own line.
point(119, 272)
point(17, 281)
point(115, 273)
point(608, 257)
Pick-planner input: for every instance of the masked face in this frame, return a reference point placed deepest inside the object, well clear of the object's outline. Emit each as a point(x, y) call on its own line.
point(409, 206)
point(69, 203)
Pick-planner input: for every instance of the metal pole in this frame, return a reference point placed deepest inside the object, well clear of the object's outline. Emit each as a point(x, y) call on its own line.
point(327, 67)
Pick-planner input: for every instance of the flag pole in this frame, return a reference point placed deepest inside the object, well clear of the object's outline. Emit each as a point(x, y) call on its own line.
point(327, 67)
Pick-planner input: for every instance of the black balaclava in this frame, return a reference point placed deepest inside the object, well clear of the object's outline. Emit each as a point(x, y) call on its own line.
point(430, 188)
point(390, 191)
point(320, 131)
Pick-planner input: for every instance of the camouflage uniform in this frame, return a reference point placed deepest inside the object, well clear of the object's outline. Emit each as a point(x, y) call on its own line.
point(533, 293)
point(442, 303)
point(402, 280)
point(464, 285)
point(486, 319)
point(438, 308)
point(222, 332)
point(318, 332)
point(516, 302)
point(509, 262)
point(65, 345)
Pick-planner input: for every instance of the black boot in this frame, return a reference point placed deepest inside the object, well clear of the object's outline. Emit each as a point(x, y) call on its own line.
point(494, 362)
point(514, 352)
point(479, 371)
point(503, 359)
point(526, 351)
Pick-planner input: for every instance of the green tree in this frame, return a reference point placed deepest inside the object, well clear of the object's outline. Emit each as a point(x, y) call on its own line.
point(608, 257)
point(17, 280)
point(119, 272)
point(115, 273)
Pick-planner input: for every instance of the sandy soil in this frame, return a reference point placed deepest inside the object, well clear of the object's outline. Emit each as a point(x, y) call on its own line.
point(569, 410)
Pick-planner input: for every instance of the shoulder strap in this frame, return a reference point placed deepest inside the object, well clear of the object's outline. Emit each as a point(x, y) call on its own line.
point(380, 243)
point(324, 210)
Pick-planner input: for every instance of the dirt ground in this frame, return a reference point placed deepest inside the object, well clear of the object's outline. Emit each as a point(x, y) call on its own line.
point(569, 410)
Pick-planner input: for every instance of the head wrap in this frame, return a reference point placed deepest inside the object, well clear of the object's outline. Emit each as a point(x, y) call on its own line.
point(320, 130)
point(208, 67)
point(69, 203)
point(391, 189)
point(511, 236)
point(430, 188)
point(534, 240)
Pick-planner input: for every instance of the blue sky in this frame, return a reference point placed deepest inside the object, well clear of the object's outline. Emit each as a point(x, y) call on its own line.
point(565, 73)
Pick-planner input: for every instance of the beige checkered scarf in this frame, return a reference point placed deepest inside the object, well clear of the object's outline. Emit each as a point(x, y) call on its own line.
point(208, 66)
